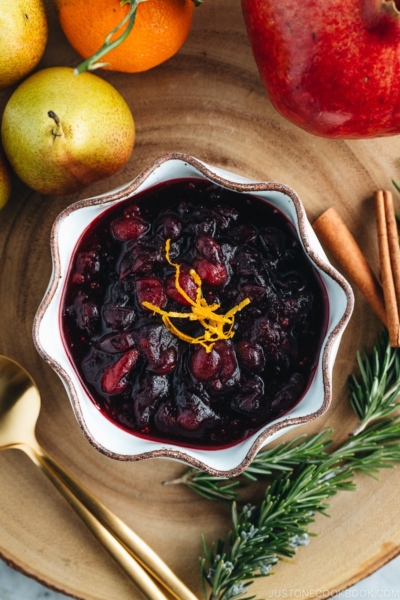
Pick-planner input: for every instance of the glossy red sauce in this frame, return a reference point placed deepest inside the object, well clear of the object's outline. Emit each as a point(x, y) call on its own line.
point(147, 380)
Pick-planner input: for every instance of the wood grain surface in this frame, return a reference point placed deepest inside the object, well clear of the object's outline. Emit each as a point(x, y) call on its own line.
point(207, 101)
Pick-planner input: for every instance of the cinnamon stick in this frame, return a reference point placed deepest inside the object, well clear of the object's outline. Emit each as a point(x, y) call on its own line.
point(383, 202)
point(393, 240)
point(333, 232)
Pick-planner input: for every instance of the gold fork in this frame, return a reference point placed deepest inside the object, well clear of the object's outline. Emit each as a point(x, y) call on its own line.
point(19, 411)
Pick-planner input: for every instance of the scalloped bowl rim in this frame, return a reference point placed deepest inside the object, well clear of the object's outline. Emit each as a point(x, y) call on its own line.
point(107, 437)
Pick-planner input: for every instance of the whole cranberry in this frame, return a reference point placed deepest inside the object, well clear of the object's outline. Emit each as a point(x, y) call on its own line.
point(114, 380)
point(229, 367)
point(118, 317)
point(169, 227)
point(147, 396)
point(205, 366)
point(150, 289)
point(115, 343)
point(159, 347)
point(229, 372)
point(137, 263)
point(214, 274)
point(126, 228)
point(165, 417)
point(249, 398)
point(208, 247)
point(250, 356)
point(187, 284)
point(194, 413)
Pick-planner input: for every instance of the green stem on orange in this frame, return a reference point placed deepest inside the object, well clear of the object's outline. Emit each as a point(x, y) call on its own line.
point(92, 63)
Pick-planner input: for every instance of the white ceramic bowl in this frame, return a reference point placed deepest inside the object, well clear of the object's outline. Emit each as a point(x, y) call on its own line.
point(103, 434)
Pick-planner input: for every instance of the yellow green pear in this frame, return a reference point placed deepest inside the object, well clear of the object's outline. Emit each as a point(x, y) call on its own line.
point(62, 131)
point(23, 37)
point(5, 181)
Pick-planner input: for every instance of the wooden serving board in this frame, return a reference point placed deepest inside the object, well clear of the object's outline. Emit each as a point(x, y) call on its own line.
point(207, 101)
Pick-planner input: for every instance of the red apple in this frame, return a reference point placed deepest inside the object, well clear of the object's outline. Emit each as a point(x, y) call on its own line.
point(332, 68)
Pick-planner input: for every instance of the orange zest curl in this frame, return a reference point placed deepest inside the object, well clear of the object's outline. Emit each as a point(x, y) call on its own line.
point(216, 327)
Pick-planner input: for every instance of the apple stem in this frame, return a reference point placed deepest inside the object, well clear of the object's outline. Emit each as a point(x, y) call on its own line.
point(57, 131)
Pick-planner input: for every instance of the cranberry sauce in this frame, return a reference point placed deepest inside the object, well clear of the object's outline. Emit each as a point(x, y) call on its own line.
point(138, 371)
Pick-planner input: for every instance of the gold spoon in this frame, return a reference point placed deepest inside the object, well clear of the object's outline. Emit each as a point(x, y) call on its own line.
point(19, 411)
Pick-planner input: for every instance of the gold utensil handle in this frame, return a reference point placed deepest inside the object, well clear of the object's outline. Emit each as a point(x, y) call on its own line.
point(113, 546)
point(130, 540)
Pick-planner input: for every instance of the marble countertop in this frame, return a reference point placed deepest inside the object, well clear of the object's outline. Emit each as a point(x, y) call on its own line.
point(385, 583)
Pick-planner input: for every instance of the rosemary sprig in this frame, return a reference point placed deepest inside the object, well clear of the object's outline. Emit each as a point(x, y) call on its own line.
point(287, 455)
point(375, 395)
point(283, 457)
point(261, 535)
point(306, 476)
point(94, 61)
point(274, 529)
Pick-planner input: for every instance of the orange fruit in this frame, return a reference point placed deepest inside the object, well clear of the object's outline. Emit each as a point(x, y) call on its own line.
point(160, 28)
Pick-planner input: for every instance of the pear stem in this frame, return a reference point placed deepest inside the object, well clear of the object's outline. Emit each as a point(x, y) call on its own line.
point(53, 115)
point(57, 130)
